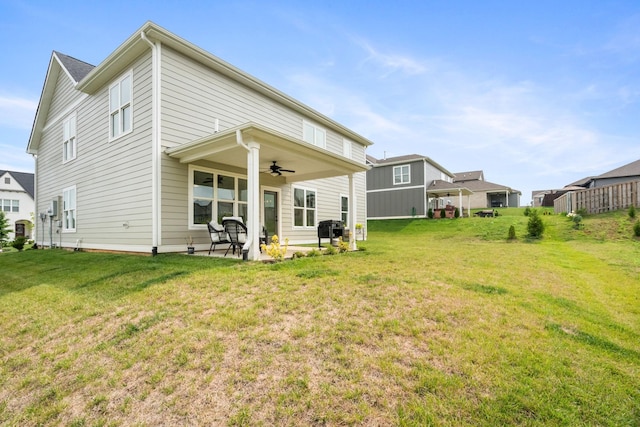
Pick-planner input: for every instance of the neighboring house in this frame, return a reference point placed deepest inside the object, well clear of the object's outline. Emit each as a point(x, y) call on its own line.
point(143, 150)
point(487, 194)
point(628, 172)
point(16, 201)
point(401, 187)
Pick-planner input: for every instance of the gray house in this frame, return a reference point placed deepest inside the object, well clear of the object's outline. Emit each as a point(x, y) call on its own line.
point(487, 194)
point(16, 201)
point(628, 172)
point(401, 187)
point(140, 152)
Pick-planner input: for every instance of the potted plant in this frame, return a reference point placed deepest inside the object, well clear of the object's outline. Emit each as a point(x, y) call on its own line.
point(190, 249)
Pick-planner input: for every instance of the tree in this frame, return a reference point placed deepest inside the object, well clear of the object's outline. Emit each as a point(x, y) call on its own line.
point(4, 228)
point(535, 226)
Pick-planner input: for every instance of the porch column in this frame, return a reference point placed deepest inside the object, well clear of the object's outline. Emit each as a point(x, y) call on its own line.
point(352, 213)
point(469, 205)
point(460, 202)
point(507, 201)
point(253, 199)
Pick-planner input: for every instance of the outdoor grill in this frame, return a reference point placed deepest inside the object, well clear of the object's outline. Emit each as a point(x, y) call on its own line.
point(329, 229)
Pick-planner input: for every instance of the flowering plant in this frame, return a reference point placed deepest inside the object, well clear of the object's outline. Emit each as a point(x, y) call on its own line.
point(275, 250)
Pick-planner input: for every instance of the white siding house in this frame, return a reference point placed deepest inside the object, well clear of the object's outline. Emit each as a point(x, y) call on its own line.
point(162, 137)
point(16, 201)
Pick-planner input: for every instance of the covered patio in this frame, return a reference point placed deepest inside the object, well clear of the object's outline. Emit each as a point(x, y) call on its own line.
point(440, 189)
point(253, 148)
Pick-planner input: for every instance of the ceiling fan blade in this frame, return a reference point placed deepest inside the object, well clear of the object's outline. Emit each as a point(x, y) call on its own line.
point(287, 170)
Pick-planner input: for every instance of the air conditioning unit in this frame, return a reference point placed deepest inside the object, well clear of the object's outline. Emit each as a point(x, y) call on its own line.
point(55, 207)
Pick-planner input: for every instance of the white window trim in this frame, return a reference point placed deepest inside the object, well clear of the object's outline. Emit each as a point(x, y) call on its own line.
point(293, 208)
point(346, 223)
point(316, 129)
point(117, 83)
point(408, 174)
point(64, 211)
point(215, 199)
point(73, 137)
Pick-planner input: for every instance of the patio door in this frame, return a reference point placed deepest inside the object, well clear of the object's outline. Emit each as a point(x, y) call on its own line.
point(270, 211)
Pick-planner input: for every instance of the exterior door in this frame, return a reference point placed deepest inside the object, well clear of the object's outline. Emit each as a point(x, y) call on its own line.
point(20, 230)
point(270, 214)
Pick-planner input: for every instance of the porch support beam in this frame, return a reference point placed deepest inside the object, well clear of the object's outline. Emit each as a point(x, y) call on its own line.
point(253, 199)
point(352, 213)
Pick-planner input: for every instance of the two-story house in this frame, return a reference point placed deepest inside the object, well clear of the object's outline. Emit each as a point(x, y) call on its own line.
point(16, 201)
point(143, 150)
point(403, 187)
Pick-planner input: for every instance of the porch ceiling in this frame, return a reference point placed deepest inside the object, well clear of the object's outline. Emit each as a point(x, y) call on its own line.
point(454, 191)
point(309, 161)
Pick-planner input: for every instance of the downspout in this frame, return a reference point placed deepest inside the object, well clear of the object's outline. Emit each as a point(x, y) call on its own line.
point(155, 144)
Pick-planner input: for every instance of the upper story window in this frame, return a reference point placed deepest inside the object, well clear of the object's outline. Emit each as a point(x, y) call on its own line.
point(314, 135)
point(69, 139)
point(346, 148)
point(401, 174)
point(10, 205)
point(7, 180)
point(120, 96)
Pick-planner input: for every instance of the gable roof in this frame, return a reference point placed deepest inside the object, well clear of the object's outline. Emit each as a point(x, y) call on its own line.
point(469, 176)
point(405, 159)
point(25, 179)
point(76, 69)
point(95, 78)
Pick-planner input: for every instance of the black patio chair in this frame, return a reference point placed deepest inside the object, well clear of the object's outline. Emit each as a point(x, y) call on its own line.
point(218, 235)
point(237, 232)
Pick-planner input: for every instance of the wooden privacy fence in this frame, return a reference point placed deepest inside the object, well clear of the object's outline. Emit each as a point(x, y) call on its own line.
point(599, 199)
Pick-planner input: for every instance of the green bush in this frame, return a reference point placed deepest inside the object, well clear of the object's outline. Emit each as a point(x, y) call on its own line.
point(636, 229)
point(632, 212)
point(443, 213)
point(18, 243)
point(330, 250)
point(577, 221)
point(456, 213)
point(430, 213)
point(512, 233)
point(527, 211)
point(535, 226)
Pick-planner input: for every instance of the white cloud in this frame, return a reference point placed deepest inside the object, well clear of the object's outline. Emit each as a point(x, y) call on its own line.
point(391, 62)
point(17, 112)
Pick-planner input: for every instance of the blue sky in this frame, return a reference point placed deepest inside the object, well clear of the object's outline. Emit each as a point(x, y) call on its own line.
point(538, 94)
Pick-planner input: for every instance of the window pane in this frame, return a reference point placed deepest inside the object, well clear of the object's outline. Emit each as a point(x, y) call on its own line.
point(224, 209)
point(226, 188)
point(202, 184)
point(115, 124)
point(298, 217)
point(311, 199)
point(307, 133)
point(320, 137)
point(65, 131)
point(345, 203)
point(16, 205)
point(125, 91)
point(242, 211)
point(242, 189)
point(72, 199)
point(298, 197)
point(202, 211)
point(311, 218)
point(126, 119)
point(114, 98)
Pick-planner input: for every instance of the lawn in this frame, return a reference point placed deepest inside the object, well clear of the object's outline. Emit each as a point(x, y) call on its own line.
point(437, 322)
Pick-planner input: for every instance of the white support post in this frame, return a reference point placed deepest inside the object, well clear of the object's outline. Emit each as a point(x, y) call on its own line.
point(460, 209)
point(352, 213)
point(253, 199)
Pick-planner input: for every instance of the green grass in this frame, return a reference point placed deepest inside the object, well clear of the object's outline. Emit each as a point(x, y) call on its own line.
point(438, 322)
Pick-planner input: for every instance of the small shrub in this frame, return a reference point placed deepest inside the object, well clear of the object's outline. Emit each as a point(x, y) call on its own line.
point(535, 226)
point(330, 250)
point(18, 243)
point(274, 250)
point(632, 212)
point(512, 233)
point(342, 245)
point(636, 229)
point(527, 211)
point(577, 221)
point(313, 252)
point(298, 254)
point(430, 213)
point(456, 213)
point(582, 212)
point(443, 213)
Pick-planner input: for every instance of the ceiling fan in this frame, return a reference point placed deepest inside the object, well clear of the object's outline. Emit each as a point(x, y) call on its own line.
point(276, 170)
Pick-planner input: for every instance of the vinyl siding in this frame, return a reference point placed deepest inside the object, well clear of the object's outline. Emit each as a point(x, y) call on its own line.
point(381, 177)
point(112, 179)
point(190, 106)
point(399, 203)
